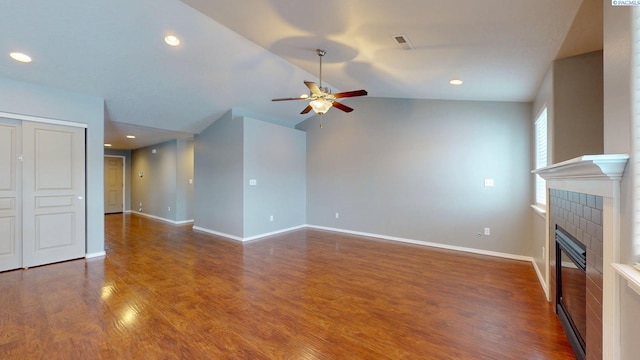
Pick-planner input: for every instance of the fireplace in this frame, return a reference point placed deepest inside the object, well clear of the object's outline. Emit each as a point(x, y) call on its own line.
point(571, 289)
point(584, 200)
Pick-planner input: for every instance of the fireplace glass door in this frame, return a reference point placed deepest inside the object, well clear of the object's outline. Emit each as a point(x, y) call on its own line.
point(571, 289)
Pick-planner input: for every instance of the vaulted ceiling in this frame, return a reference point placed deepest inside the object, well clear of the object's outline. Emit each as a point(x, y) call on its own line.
point(241, 54)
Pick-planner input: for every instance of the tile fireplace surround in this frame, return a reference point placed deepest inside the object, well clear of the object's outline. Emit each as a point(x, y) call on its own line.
point(585, 197)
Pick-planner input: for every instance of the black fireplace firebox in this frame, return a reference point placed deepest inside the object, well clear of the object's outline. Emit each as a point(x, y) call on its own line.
point(571, 293)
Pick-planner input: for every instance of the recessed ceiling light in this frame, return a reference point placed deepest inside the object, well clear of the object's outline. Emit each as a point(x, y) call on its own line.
point(131, 137)
point(172, 40)
point(107, 145)
point(456, 82)
point(20, 57)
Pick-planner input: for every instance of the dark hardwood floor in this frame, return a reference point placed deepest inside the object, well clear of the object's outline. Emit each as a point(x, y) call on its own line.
point(167, 292)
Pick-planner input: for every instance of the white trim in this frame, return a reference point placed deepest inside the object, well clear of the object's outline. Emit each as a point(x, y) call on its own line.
point(95, 255)
point(42, 120)
point(256, 237)
point(213, 232)
point(542, 211)
point(385, 237)
point(586, 167)
point(431, 244)
point(250, 238)
point(630, 274)
point(391, 238)
point(181, 222)
point(543, 282)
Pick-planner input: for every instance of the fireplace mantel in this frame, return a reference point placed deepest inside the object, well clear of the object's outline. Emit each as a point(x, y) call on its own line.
point(597, 175)
point(586, 167)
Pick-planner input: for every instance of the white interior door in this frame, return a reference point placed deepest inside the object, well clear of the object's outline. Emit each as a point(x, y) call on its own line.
point(113, 184)
point(53, 193)
point(10, 195)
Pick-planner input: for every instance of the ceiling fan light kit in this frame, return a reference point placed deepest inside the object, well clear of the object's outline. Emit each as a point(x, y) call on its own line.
point(321, 106)
point(321, 99)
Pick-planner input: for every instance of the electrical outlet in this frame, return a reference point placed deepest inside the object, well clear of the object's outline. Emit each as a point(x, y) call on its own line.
point(337, 215)
point(487, 231)
point(169, 208)
point(271, 218)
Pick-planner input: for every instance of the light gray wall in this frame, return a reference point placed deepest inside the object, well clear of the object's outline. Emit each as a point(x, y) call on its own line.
point(617, 129)
point(34, 100)
point(156, 189)
point(578, 109)
point(184, 190)
point(218, 171)
point(415, 169)
point(127, 173)
point(275, 156)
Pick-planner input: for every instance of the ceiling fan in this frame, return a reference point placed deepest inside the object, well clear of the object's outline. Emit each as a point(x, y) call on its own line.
point(321, 99)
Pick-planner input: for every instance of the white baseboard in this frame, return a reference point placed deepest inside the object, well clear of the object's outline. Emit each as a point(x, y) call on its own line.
point(384, 237)
point(256, 237)
point(213, 232)
point(378, 236)
point(95, 255)
point(161, 218)
point(541, 279)
point(251, 238)
point(427, 243)
point(448, 247)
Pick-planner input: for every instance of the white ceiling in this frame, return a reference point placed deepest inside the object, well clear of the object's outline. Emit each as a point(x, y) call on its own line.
point(241, 54)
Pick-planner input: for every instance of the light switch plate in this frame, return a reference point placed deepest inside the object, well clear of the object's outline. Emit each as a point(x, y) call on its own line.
point(253, 182)
point(488, 182)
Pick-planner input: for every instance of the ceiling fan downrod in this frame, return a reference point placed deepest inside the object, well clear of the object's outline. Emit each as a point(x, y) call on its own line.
point(320, 53)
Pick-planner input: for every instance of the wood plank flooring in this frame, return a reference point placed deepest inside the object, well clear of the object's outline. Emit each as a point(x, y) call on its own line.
point(167, 292)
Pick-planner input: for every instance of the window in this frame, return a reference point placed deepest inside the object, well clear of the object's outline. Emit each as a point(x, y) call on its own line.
point(541, 156)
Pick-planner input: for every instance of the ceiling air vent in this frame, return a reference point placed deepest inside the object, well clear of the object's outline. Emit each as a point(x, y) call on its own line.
point(403, 41)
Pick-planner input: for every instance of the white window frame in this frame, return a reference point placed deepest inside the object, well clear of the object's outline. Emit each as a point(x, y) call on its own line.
point(541, 150)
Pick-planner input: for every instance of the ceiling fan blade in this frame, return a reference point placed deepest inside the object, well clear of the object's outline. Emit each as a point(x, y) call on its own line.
point(346, 94)
point(342, 107)
point(285, 99)
point(315, 90)
point(306, 110)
